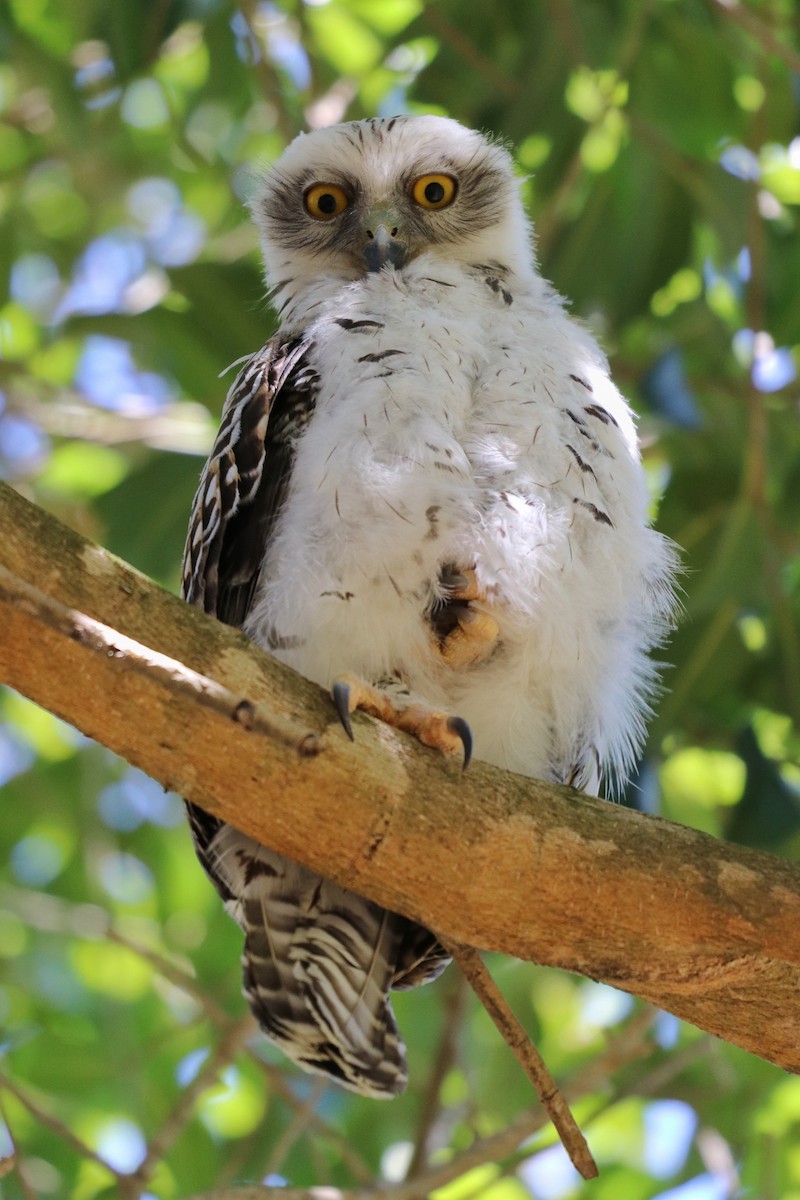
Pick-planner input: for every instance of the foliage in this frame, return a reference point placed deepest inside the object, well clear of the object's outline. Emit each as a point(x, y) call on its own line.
point(657, 141)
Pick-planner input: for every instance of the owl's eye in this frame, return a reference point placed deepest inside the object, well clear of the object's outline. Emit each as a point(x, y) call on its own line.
point(434, 191)
point(324, 201)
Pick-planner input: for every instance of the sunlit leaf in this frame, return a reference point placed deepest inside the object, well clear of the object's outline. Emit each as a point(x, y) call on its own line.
point(113, 970)
point(83, 469)
point(233, 1108)
point(473, 1183)
point(19, 333)
point(707, 778)
point(349, 44)
point(52, 740)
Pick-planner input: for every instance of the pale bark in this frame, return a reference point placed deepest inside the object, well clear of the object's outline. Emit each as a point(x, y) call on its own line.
point(707, 930)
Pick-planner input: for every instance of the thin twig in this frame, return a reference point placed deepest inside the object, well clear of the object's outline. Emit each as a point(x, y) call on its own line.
point(554, 211)
point(260, 1192)
point(753, 485)
point(184, 427)
point(452, 1013)
point(492, 999)
point(564, 20)
point(629, 1045)
point(175, 975)
point(688, 172)
point(633, 36)
point(13, 1161)
point(53, 914)
point(176, 1121)
point(58, 1128)
point(350, 1157)
point(295, 1129)
point(272, 87)
point(745, 18)
point(319, 1161)
point(457, 40)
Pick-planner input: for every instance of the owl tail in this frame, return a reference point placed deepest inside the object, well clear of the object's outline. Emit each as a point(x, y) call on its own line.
point(318, 963)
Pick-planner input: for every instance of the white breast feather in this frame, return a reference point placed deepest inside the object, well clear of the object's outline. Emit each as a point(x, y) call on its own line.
point(455, 429)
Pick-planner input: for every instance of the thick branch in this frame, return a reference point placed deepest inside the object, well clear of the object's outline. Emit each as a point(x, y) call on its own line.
point(707, 930)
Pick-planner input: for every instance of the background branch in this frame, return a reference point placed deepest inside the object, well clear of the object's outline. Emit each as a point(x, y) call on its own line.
point(706, 930)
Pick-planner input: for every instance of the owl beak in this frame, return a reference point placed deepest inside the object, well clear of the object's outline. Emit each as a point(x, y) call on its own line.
point(383, 245)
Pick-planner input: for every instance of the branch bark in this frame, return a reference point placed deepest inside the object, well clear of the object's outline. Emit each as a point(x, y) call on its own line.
point(707, 930)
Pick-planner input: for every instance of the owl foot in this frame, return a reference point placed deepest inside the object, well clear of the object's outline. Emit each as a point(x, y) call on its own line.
point(432, 728)
point(465, 636)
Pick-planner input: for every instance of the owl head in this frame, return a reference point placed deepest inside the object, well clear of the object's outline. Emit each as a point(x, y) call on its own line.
point(373, 195)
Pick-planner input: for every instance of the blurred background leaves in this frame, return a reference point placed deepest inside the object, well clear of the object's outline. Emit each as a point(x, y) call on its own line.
point(659, 144)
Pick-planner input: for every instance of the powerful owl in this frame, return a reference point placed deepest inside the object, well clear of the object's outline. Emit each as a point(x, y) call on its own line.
point(425, 495)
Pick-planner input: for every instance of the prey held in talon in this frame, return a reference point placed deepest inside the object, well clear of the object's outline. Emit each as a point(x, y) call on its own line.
point(438, 730)
point(465, 634)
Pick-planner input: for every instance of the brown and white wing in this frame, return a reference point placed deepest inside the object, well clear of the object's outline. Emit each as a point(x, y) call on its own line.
point(244, 482)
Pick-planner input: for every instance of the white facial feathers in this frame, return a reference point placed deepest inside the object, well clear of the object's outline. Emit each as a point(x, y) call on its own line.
point(376, 163)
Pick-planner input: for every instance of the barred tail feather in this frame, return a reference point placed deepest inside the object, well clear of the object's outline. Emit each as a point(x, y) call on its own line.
point(345, 961)
point(317, 966)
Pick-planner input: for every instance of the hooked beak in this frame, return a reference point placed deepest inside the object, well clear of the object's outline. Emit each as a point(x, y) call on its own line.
point(383, 246)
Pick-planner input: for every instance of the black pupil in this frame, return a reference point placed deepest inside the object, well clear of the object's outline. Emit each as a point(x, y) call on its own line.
point(327, 203)
point(434, 193)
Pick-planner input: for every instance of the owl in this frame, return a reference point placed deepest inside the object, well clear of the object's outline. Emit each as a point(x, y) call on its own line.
point(426, 495)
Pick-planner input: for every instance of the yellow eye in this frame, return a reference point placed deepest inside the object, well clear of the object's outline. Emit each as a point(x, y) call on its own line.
point(324, 201)
point(434, 191)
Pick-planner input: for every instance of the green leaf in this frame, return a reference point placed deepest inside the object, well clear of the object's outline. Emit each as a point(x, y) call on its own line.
point(83, 469)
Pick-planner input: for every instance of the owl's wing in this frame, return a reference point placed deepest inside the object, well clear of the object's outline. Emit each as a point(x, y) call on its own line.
point(318, 960)
point(244, 481)
point(240, 492)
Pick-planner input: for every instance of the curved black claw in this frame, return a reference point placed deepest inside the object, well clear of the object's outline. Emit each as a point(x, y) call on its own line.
point(461, 729)
point(340, 693)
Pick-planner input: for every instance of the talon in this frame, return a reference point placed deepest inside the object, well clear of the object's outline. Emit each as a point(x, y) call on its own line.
point(461, 729)
point(430, 726)
point(340, 693)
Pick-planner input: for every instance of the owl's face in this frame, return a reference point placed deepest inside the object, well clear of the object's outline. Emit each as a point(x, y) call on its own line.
point(368, 195)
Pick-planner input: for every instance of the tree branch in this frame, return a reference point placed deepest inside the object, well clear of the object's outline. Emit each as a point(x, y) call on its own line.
point(529, 1058)
point(708, 931)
